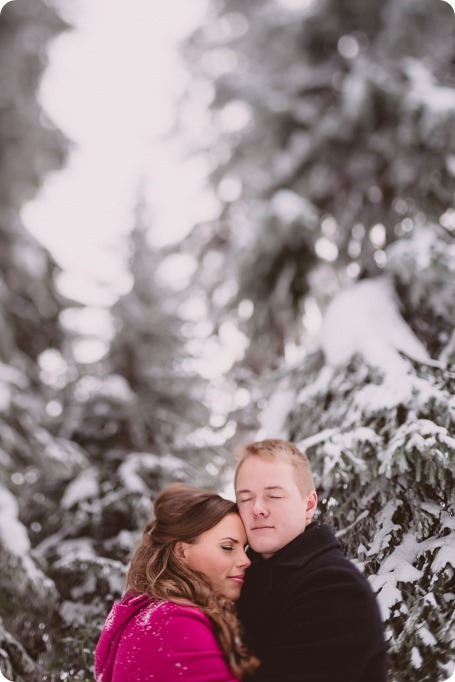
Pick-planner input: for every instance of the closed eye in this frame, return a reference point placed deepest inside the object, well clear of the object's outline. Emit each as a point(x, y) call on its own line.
point(227, 548)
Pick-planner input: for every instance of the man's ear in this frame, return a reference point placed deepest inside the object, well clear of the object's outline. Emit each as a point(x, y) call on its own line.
point(311, 505)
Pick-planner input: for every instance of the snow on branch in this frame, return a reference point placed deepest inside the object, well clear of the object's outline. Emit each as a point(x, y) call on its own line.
point(365, 319)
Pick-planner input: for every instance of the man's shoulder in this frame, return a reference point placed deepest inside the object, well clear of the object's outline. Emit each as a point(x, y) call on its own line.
point(316, 555)
point(313, 556)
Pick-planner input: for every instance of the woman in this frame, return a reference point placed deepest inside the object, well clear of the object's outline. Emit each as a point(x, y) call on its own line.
point(177, 620)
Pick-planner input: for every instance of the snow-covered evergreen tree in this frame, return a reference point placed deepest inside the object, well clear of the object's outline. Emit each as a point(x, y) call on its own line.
point(331, 140)
point(330, 135)
point(375, 414)
point(30, 455)
point(149, 349)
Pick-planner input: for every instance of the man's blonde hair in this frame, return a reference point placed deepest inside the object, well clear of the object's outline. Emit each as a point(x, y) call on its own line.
point(282, 449)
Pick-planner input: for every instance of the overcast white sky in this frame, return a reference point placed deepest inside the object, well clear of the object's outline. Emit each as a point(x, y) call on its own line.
point(110, 87)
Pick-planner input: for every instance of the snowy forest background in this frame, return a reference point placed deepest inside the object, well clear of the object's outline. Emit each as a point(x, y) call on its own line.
point(332, 150)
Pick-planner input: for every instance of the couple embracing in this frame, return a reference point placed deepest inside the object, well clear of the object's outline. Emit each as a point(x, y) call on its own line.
point(255, 590)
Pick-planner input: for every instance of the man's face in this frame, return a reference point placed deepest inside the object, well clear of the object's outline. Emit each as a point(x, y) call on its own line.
point(273, 509)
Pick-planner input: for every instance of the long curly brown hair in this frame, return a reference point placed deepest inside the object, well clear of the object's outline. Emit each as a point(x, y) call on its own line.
point(182, 514)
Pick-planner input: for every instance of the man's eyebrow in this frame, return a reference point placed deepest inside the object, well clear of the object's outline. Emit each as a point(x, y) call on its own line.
point(268, 487)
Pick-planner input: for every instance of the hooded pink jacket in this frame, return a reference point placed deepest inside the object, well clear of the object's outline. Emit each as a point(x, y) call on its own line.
point(144, 639)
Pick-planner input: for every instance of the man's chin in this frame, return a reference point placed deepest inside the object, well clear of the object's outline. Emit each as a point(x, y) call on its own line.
point(263, 549)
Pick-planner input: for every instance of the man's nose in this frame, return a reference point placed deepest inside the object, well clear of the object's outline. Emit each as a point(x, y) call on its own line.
point(259, 509)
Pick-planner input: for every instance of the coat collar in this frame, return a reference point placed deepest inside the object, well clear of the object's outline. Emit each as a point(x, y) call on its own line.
point(316, 539)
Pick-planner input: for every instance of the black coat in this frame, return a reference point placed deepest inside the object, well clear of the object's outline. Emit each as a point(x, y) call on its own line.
point(311, 616)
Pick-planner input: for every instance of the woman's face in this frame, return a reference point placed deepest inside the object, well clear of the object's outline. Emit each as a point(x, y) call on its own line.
point(219, 553)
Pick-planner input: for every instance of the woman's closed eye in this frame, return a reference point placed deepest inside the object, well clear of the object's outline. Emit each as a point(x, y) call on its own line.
point(227, 548)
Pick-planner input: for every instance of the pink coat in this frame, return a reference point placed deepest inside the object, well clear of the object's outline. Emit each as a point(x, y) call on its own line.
point(144, 639)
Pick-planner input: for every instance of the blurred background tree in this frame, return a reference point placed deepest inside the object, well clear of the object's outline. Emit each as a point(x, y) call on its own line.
point(29, 307)
point(329, 128)
point(332, 137)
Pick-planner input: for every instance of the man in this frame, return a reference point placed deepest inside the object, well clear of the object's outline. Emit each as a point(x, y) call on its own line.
point(308, 613)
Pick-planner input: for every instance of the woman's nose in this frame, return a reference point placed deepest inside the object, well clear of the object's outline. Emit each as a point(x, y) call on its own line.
point(244, 561)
